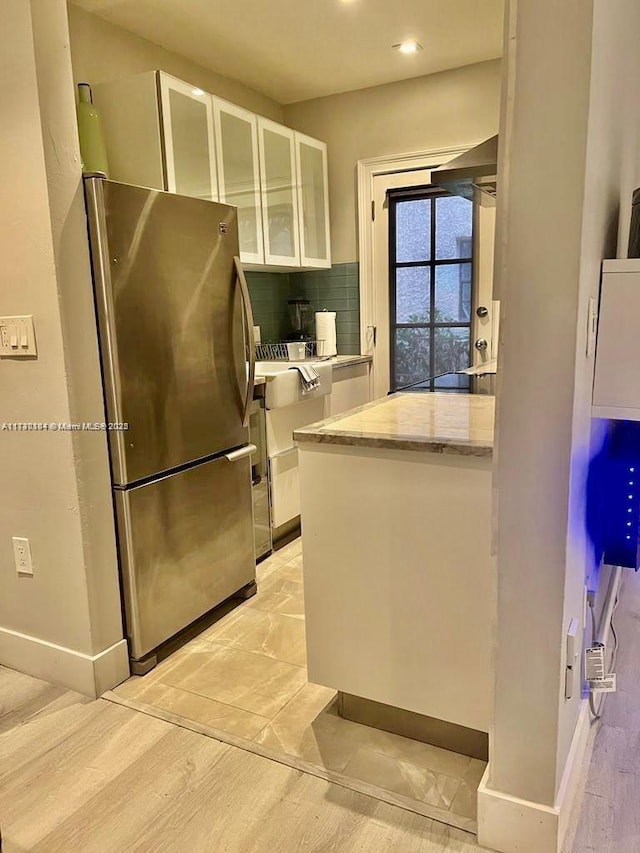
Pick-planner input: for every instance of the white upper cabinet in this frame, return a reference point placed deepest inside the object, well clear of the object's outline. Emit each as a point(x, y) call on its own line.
point(236, 132)
point(187, 117)
point(166, 134)
point(279, 196)
point(313, 201)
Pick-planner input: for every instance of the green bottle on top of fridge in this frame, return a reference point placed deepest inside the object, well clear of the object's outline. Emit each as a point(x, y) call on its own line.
point(92, 147)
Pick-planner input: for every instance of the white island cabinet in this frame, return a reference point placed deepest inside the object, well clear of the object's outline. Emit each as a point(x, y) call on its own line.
point(399, 579)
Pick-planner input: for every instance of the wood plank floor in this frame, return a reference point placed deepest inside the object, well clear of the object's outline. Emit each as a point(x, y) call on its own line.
point(243, 680)
point(609, 813)
point(93, 776)
point(84, 776)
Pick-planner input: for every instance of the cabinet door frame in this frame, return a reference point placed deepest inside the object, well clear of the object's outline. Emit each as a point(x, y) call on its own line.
point(221, 106)
point(287, 133)
point(305, 259)
point(167, 83)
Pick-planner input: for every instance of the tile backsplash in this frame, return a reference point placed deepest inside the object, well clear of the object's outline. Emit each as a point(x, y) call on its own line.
point(269, 295)
point(335, 289)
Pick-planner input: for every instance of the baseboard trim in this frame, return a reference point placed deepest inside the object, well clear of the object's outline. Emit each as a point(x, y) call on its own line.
point(508, 824)
point(91, 675)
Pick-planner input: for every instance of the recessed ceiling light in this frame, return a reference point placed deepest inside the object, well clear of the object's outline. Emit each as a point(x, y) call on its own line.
point(408, 47)
point(197, 92)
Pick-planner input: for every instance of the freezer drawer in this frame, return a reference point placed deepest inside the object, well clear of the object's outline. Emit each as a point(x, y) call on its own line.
point(186, 543)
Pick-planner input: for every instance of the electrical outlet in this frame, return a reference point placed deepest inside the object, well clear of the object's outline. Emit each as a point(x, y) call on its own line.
point(22, 556)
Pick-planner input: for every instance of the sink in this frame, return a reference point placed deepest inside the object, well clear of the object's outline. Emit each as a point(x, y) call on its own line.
point(284, 387)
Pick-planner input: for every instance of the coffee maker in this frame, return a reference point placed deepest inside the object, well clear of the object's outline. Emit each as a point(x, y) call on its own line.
point(300, 318)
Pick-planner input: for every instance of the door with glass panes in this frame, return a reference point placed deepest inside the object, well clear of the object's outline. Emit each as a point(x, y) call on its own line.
point(430, 276)
point(423, 262)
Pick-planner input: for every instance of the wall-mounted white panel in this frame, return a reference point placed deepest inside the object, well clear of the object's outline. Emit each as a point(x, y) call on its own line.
point(616, 391)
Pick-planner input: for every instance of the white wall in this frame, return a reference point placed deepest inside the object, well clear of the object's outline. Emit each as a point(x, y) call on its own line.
point(58, 492)
point(570, 154)
point(612, 171)
point(547, 152)
point(453, 108)
point(102, 51)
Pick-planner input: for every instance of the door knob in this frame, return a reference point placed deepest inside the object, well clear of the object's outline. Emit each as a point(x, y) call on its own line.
point(481, 344)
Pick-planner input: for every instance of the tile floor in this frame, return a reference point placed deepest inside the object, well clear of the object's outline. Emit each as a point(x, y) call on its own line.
point(245, 675)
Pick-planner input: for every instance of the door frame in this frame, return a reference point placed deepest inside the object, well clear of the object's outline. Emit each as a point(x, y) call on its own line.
point(367, 170)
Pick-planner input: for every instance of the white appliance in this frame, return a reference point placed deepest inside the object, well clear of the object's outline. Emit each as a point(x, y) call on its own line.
point(616, 389)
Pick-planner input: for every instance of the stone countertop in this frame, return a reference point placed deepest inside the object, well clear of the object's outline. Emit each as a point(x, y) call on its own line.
point(430, 422)
point(339, 361)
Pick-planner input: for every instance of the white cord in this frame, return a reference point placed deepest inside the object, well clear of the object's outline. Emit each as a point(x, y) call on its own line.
point(597, 713)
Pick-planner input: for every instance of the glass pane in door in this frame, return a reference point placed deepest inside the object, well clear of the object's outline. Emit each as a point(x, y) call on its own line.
point(412, 356)
point(413, 230)
point(191, 146)
point(313, 203)
point(413, 297)
point(453, 293)
point(454, 223)
point(239, 176)
point(451, 349)
point(280, 200)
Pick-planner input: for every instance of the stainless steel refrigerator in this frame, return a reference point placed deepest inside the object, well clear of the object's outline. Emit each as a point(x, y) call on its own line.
point(176, 340)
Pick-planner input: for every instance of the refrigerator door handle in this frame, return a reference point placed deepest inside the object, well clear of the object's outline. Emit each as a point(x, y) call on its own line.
point(237, 455)
point(248, 319)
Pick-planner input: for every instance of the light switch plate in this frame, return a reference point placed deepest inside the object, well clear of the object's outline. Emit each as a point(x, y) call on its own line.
point(17, 337)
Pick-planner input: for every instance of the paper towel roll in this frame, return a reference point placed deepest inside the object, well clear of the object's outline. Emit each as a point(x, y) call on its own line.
point(326, 332)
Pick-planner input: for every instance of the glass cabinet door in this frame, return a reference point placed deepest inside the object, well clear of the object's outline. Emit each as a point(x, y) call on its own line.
point(279, 197)
point(187, 119)
point(313, 201)
point(239, 174)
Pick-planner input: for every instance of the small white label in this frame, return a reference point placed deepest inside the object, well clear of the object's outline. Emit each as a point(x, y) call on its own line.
point(594, 668)
point(604, 685)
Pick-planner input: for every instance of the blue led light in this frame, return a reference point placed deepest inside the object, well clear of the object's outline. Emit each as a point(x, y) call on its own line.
point(613, 502)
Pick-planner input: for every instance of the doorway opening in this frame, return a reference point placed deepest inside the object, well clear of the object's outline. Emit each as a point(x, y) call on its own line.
point(384, 184)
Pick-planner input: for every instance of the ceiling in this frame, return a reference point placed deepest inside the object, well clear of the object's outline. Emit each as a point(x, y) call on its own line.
point(294, 50)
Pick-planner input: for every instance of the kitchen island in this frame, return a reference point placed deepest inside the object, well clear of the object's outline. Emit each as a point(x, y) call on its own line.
point(398, 572)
